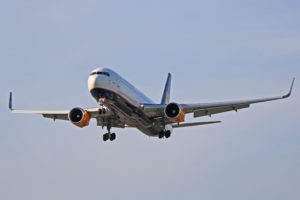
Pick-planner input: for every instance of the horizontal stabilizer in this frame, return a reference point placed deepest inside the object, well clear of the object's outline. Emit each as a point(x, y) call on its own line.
point(194, 124)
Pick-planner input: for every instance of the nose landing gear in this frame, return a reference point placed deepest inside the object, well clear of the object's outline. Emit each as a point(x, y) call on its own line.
point(102, 100)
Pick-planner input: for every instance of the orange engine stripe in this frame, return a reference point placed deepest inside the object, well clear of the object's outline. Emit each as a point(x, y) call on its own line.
point(85, 121)
point(180, 117)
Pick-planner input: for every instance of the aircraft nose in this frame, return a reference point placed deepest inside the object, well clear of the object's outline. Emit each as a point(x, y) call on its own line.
point(92, 82)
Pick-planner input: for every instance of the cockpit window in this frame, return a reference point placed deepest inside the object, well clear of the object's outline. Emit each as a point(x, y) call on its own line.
point(104, 73)
point(101, 73)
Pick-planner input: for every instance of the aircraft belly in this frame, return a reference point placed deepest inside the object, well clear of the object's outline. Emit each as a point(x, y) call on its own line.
point(128, 113)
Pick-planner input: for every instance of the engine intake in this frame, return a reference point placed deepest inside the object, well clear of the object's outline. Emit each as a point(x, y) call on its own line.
point(79, 117)
point(175, 112)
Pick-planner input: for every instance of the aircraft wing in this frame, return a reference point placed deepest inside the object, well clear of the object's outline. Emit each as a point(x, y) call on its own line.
point(53, 114)
point(101, 118)
point(204, 109)
point(58, 114)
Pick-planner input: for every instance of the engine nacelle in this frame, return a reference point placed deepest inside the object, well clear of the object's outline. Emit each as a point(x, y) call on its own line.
point(175, 112)
point(79, 117)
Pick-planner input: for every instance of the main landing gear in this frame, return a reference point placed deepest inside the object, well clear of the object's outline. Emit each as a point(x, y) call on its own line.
point(109, 136)
point(165, 134)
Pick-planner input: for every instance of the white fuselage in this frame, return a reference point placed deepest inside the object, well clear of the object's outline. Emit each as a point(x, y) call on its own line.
point(115, 83)
point(122, 98)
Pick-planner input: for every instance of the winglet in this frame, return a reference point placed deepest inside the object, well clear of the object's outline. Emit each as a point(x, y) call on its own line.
point(166, 95)
point(10, 101)
point(290, 92)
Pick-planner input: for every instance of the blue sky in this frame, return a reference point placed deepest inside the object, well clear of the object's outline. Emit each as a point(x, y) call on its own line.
point(216, 50)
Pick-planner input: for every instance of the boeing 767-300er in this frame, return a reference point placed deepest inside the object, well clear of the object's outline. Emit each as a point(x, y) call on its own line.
point(122, 105)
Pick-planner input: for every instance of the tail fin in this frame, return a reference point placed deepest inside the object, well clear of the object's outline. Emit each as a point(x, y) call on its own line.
point(166, 95)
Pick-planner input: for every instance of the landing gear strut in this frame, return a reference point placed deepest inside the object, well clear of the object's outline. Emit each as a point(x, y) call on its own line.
point(109, 136)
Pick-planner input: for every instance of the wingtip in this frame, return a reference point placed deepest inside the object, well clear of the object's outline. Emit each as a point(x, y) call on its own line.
point(10, 101)
point(291, 90)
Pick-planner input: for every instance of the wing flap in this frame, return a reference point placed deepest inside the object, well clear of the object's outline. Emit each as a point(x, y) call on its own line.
point(212, 111)
point(56, 116)
point(194, 124)
point(114, 122)
point(153, 110)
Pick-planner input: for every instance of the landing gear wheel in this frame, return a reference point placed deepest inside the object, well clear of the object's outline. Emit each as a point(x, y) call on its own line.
point(106, 137)
point(112, 136)
point(161, 135)
point(167, 134)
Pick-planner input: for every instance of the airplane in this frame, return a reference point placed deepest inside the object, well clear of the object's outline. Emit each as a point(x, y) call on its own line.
point(121, 105)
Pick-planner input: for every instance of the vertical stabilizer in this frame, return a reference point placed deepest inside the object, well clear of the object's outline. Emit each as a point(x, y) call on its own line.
point(166, 95)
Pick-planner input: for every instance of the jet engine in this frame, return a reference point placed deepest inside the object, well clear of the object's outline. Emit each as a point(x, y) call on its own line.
point(79, 117)
point(175, 112)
